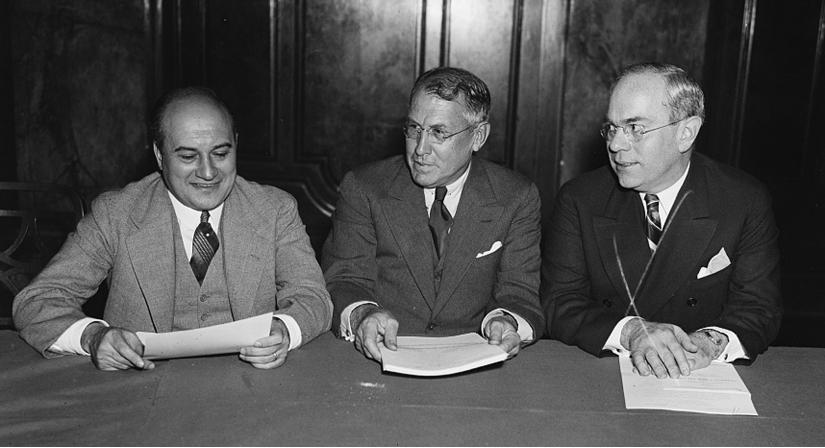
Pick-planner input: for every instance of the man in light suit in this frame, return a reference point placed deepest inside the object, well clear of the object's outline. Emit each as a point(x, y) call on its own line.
point(192, 246)
point(692, 242)
point(438, 242)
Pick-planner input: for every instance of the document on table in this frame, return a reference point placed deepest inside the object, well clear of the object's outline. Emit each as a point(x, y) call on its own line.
point(436, 356)
point(716, 389)
point(224, 338)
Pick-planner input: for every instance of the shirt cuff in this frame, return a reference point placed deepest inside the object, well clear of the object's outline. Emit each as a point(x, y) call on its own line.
point(69, 342)
point(733, 350)
point(524, 330)
point(292, 328)
point(346, 327)
point(614, 341)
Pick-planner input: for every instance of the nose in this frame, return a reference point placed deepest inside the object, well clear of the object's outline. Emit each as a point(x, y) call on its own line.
point(619, 142)
point(422, 148)
point(206, 169)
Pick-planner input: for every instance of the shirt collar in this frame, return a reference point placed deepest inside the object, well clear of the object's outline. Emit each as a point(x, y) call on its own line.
point(191, 217)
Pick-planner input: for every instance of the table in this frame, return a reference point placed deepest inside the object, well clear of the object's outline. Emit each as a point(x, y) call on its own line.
point(329, 394)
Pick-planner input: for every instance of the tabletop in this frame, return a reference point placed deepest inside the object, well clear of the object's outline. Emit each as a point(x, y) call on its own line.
point(329, 394)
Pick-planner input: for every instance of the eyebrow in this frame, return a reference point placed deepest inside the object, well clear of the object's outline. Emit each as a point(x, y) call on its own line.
point(187, 148)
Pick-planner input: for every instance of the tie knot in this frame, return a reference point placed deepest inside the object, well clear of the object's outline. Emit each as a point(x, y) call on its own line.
point(440, 193)
point(204, 216)
point(651, 199)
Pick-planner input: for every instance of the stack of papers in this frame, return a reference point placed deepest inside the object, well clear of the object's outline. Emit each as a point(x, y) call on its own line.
point(435, 356)
point(716, 389)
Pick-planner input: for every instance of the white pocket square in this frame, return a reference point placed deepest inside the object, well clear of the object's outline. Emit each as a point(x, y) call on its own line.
point(496, 246)
point(717, 263)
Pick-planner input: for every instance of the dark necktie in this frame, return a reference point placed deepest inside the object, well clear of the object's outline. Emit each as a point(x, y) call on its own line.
point(440, 221)
point(654, 222)
point(204, 245)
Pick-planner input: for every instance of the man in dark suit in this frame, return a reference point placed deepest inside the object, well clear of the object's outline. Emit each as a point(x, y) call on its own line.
point(437, 242)
point(664, 254)
point(192, 246)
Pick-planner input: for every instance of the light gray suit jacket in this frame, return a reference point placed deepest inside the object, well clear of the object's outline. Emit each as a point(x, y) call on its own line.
point(128, 238)
point(381, 249)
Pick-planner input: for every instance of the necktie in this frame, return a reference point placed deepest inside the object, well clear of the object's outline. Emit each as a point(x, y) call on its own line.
point(204, 245)
point(440, 221)
point(654, 221)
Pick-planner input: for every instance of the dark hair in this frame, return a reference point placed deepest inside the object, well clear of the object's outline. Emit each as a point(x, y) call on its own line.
point(455, 84)
point(156, 131)
point(685, 97)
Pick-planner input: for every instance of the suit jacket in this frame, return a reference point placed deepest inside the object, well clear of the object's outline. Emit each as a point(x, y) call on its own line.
point(128, 238)
point(381, 249)
point(582, 288)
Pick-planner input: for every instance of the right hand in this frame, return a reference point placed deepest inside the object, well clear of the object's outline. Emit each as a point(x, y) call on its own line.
point(114, 348)
point(656, 347)
point(376, 326)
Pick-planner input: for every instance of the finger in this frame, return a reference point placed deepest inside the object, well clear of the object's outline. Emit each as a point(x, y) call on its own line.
point(640, 364)
point(370, 339)
point(270, 365)
point(494, 332)
point(680, 357)
point(390, 334)
point(261, 351)
point(685, 340)
point(268, 341)
point(510, 343)
point(655, 363)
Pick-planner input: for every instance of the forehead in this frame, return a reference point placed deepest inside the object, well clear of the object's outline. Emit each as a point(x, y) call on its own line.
point(427, 108)
point(195, 116)
point(638, 97)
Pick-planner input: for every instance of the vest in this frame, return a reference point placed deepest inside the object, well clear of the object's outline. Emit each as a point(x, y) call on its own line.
point(197, 305)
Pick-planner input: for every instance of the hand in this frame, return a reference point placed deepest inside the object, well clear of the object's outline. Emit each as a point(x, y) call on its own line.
point(709, 348)
point(374, 326)
point(656, 347)
point(502, 331)
point(114, 348)
point(269, 352)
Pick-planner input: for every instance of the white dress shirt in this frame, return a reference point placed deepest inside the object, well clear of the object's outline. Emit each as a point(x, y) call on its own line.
point(451, 200)
point(667, 200)
point(188, 220)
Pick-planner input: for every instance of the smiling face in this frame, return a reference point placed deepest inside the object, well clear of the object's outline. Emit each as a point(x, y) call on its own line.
point(657, 160)
point(434, 164)
point(197, 160)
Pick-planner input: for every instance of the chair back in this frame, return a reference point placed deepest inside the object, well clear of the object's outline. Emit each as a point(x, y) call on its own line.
point(35, 219)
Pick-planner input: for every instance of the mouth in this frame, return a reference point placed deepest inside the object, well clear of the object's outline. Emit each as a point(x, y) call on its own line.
point(624, 165)
point(205, 186)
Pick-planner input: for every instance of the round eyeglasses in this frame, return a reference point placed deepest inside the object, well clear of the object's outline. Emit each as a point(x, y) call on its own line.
point(413, 132)
point(634, 132)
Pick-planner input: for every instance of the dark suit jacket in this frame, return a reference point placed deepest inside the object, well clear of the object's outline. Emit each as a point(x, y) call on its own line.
point(381, 249)
point(268, 262)
point(582, 289)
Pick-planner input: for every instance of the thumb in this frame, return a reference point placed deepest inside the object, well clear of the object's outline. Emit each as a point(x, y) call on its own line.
point(390, 333)
point(685, 341)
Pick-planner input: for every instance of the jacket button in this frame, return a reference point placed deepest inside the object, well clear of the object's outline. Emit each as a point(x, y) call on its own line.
point(692, 302)
point(607, 303)
point(203, 297)
point(204, 316)
point(431, 326)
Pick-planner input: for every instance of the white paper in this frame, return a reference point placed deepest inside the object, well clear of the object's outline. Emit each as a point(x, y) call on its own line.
point(435, 356)
point(716, 389)
point(224, 338)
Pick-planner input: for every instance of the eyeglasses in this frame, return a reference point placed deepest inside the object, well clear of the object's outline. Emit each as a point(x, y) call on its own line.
point(633, 131)
point(413, 132)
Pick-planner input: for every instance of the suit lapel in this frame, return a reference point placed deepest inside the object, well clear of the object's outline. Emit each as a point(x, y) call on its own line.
point(475, 220)
point(151, 252)
point(622, 223)
point(685, 240)
point(406, 214)
point(244, 250)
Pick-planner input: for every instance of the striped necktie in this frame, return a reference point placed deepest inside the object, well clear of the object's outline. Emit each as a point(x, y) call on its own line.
point(204, 245)
point(654, 221)
point(440, 221)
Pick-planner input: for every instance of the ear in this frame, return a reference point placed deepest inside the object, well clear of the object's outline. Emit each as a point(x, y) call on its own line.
point(158, 156)
point(688, 131)
point(480, 134)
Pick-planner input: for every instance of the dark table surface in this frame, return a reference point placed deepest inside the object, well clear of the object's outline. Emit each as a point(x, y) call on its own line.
point(328, 394)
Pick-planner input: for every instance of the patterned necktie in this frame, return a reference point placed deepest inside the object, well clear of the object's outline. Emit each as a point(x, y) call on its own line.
point(654, 222)
point(440, 221)
point(204, 245)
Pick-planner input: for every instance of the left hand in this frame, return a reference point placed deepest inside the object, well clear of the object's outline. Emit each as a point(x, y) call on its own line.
point(501, 331)
point(271, 351)
point(708, 351)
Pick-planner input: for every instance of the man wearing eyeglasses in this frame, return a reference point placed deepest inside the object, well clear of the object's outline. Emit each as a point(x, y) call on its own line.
point(664, 255)
point(438, 242)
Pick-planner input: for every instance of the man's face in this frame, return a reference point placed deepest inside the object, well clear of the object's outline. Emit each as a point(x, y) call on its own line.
point(655, 162)
point(197, 160)
point(434, 164)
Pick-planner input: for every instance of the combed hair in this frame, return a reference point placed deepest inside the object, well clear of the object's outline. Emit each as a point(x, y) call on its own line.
point(454, 84)
point(156, 130)
point(685, 97)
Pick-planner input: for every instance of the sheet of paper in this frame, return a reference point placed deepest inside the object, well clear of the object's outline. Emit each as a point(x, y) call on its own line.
point(716, 389)
point(224, 338)
point(436, 356)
